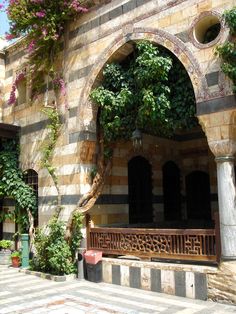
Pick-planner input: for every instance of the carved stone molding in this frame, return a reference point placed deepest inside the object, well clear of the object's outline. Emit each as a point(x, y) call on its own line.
point(223, 148)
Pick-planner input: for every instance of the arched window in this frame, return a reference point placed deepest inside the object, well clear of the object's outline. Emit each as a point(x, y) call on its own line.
point(140, 190)
point(31, 178)
point(171, 191)
point(198, 195)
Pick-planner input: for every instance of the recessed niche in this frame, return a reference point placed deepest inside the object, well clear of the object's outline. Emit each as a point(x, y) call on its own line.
point(207, 29)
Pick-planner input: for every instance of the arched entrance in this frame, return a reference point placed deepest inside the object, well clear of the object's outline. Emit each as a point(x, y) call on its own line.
point(178, 142)
point(198, 196)
point(171, 191)
point(140, 190)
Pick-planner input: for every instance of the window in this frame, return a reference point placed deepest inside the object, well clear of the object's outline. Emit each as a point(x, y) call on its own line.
point(21, 91)
point(31, 178)
point(206, 29)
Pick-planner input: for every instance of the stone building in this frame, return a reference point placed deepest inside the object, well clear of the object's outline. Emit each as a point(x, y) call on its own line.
point(199, 162)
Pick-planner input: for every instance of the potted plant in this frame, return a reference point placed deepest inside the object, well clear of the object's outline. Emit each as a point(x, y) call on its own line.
point(5, 244)
point(5, 252)
point(15, 258)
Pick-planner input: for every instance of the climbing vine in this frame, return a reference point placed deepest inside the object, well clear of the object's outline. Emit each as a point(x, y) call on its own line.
point(19, 77)
point(227, 51)
point(53, 127)
point(12, 185)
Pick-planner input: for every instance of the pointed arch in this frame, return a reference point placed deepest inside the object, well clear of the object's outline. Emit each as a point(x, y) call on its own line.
point(160, 37)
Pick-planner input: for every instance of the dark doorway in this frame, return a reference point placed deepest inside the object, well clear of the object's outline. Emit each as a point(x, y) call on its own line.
point(140, 190)
point(171, 191)
point(198, 195)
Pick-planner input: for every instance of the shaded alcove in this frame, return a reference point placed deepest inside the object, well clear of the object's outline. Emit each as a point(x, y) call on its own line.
point(183, 127)
point(198, 197)
point(140, 190)
point(171, 191)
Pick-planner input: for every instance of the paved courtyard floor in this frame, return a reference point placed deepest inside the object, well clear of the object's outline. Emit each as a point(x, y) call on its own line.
point(22, 293)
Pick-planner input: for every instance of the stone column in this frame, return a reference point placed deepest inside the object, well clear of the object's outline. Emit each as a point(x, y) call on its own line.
point(220, 129)
point(227, 205)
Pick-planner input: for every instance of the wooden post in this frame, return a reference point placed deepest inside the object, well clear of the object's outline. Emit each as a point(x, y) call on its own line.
point(88, 227)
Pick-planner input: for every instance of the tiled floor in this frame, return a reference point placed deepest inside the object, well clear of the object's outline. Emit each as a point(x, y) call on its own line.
point(21, 293)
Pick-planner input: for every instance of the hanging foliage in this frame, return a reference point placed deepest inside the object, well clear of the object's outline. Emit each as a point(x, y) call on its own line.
point(227, 51)
point(13, 186)
point(150, 91)
point(42, 24)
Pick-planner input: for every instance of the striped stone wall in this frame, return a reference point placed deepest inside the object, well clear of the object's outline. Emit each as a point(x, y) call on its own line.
point(176, 279)
point(102, 35)
point(189, 155)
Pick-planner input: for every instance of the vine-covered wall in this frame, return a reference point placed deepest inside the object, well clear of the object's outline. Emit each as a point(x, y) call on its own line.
point(104, 34)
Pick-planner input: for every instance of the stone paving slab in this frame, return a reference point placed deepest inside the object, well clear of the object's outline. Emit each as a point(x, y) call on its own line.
point(22, 293)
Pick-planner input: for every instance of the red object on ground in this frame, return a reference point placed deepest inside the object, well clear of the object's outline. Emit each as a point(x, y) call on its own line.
point(15, 261)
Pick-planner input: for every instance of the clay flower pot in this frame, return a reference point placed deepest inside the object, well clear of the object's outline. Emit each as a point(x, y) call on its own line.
point(15, 259)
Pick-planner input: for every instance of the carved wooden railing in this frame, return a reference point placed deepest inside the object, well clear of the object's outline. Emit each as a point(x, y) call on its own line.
point(182, 244)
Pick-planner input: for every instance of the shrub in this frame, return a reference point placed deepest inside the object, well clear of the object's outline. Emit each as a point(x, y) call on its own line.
point(5, 244)
point(53, 253)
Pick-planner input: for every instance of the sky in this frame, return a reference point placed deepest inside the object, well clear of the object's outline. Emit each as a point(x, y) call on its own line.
point(4, 25)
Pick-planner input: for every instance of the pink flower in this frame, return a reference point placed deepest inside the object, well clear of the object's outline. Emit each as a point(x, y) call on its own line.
point(9, 36)
point(19, 77)
point(75, 5)
point(12, 2)
point(60, 83)
point(55, 37)
point(44, 32)
point(40, 14)
point(12, 98)
point(31, 46)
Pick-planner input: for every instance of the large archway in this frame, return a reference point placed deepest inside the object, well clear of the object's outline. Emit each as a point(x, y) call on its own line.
point(166, 203)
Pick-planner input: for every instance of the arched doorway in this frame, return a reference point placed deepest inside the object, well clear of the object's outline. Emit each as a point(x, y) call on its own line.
point(198, 196)
point(171, 191)
point(140, 190)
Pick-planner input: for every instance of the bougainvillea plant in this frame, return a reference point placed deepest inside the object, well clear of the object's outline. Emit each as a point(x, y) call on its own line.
point(19, 77)
point(227, 51)
point(42, 22)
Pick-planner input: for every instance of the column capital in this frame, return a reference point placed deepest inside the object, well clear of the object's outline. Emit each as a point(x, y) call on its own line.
point(220, 130)
point(223, 149)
